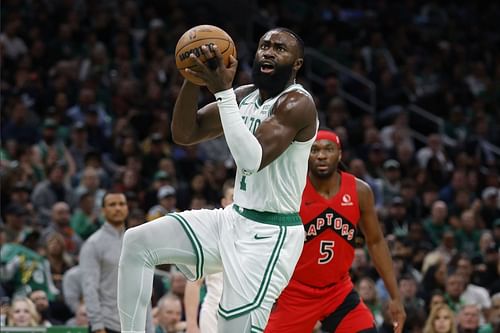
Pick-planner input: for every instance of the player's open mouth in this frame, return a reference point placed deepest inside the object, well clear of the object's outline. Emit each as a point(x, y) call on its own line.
point(267, 67)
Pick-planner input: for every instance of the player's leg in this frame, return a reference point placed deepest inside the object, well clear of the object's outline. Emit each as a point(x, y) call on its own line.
point(258, 262)
point(294, 312)
point(166, 240)
point(352, 316)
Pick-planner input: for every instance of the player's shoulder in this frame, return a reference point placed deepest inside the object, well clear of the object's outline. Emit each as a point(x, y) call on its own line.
point(362, 187)
point(244, 90)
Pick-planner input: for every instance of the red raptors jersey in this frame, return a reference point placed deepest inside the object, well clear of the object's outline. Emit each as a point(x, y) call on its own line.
point(330, 226)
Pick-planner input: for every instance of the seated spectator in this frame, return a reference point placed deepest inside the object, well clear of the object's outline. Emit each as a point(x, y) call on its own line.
point(367, 291)
point(72, 288)
point(454, 288)
point(80, 319)
point(167, 203)
point(59, 259)
point(473, 294)
point(169, 315)
point(468, 319)
point(15, 223)
point(85, 220)
point(50, 191)
point(24, 270)
point(436, 223)
point(60, 223)
point(22, 313)
point(39, 298)
point(440, 320)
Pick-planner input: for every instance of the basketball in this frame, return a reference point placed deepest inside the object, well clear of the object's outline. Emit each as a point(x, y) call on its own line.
point(192, 41)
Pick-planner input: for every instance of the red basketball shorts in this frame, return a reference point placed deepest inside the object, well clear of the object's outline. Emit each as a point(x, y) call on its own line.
point(338, 307)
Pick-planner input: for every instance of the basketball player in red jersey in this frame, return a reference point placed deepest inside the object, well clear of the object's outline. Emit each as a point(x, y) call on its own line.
point(334, 204)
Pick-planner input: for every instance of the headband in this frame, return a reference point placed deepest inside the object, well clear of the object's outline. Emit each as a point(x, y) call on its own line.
point(330, 136)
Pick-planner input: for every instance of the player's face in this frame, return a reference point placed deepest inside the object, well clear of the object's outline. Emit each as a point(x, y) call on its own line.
point(274, 61)
point(115, 209)
point(324, 158)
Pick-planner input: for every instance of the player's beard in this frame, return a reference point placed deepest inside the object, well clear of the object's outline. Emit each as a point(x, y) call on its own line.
point(273, 83)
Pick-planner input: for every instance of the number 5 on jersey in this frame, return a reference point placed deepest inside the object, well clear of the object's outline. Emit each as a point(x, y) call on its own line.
point(326, 251)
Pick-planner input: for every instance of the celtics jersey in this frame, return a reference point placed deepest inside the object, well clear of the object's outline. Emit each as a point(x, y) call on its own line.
point(278, 187)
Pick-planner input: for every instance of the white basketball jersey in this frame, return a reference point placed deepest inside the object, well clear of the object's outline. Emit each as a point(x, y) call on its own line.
point(278, 187)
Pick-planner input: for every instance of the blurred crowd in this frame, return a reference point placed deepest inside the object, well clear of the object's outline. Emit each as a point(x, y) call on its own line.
point(87, 92)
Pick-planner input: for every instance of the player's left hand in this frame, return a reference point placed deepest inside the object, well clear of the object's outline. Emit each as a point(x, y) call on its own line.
point(398, 315)
point(213, 72)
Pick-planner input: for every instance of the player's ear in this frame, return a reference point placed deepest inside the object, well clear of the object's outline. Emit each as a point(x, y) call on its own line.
point(340, 156)
point(298, 63)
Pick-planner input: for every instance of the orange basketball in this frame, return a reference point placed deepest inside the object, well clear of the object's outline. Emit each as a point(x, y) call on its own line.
point(191, 42)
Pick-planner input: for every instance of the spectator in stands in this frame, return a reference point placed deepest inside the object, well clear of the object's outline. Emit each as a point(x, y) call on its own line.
point(391, 182)
point(85, 220)
point(169, 315)
point(490, 209)
point(48, 192)
point(440, 320)
point(80, 319)
point(60, 223)
point(472, 294)
point(72, 288)
point(436, 223)
point(367, 291)
point(22, 313)
point(454, 288)
point(468, 319)
point(167, 202)
point(41, 302)
point(90, 183)
point(15, 223)
point(469, 233)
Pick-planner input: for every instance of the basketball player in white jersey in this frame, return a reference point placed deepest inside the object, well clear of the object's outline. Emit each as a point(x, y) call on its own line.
point(269, 127)
point(213, 283)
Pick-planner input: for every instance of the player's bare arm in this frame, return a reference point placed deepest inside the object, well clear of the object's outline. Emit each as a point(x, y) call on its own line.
point(190, 125)
point(379, 252)
point(294, 118)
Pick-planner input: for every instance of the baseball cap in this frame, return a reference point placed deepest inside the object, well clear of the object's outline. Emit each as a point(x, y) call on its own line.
point(489, 192)
point(79, 125)
point(397, 201)
point(49, 123)
point(391, 164)
point(166, 191)
point(15, 209)
point(161, 175)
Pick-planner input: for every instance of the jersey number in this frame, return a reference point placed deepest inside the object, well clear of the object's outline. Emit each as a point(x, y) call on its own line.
point(326, 251)
point(243, 185)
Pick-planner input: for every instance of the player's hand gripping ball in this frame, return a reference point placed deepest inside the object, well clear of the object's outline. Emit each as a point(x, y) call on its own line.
point(191, 42)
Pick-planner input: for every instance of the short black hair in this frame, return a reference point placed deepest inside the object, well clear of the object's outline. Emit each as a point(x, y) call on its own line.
point(297, 38)
point(103, 201)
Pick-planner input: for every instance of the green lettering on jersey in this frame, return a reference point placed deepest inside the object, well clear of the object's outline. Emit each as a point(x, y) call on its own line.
point(243, 184)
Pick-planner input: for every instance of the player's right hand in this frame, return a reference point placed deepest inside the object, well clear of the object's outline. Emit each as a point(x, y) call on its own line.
point(398, 315)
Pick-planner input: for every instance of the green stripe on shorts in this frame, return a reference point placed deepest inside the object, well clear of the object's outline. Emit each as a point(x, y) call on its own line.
point(236, 312)
point(198, 251)
point(284, 220)
point(255, 329)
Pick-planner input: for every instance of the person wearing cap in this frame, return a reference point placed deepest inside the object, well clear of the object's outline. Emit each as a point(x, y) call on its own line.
point(160, 178)
point(167, 201)
point(15, 222)
point(391, 182)
point(51, 149)
point(490, 209)
point(335, 205)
